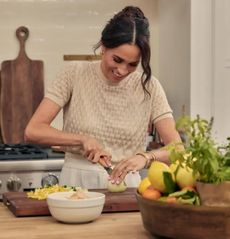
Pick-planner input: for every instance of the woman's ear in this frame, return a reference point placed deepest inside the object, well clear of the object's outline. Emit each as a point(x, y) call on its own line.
point(102, 50)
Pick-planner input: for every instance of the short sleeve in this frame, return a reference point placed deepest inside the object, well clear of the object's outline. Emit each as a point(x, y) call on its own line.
point(60, 90)
point(160, 107)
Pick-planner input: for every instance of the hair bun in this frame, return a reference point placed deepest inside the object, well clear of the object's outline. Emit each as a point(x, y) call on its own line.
point(132, 12)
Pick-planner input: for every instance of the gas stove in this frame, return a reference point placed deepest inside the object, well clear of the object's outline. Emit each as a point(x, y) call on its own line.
point(24, 167)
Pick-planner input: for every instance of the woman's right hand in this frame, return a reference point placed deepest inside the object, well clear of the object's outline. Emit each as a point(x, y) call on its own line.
point(94, 151)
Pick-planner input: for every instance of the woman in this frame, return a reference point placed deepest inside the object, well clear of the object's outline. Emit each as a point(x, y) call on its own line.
point(107, 106)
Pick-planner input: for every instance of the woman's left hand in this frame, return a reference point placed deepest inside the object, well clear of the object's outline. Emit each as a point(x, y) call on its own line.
point(132, 164)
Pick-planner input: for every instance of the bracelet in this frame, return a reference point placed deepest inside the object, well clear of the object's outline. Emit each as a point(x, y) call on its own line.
point(150, 157)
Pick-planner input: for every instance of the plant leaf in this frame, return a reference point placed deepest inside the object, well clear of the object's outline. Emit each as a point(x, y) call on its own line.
point(169, 183)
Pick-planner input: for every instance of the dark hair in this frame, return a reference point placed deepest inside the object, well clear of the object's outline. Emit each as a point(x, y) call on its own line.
point(129, 26)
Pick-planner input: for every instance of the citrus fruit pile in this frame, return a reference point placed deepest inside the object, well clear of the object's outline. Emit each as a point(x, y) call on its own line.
point(172, 184)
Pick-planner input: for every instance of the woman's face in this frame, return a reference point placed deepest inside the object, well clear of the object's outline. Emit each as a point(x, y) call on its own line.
point(119, 62)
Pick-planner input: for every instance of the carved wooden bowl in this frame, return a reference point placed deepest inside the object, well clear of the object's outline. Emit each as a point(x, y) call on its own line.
point(184, 221)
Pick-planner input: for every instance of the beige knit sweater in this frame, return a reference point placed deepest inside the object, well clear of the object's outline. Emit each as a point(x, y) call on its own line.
point(115, 114)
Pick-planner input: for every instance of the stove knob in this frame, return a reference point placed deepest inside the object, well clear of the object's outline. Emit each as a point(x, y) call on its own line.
point(14, 184)
point(49, 180)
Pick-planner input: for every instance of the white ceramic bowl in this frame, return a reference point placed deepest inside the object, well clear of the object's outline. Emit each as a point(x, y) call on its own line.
point(75, 210)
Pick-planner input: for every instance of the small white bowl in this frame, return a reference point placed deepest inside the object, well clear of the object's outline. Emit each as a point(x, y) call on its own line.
point(75, 210)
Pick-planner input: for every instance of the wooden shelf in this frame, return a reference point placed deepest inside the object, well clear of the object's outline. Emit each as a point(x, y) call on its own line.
point(81, 57)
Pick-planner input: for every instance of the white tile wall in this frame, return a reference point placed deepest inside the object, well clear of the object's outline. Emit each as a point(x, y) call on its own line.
point(59, 27)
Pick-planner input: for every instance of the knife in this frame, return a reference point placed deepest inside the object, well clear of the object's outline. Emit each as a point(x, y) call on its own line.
point(107, 168)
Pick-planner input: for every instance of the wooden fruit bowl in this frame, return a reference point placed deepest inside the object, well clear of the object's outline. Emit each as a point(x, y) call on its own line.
point(184, 221)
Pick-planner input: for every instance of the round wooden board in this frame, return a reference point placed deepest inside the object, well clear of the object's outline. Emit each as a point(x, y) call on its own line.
point(184, 221)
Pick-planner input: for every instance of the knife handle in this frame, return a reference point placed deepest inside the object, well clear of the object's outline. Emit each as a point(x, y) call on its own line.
point(102, 162)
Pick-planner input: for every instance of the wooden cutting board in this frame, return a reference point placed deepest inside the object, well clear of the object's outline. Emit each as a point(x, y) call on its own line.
point(22, 89)
point(20, 205)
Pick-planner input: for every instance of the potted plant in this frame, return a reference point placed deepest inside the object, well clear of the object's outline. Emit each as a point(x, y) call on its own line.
point(209, 162)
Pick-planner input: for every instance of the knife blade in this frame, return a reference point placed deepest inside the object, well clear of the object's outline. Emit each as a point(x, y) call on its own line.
point(107, 168)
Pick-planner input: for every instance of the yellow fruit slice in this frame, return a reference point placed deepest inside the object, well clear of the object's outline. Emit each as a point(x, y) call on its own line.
point(144, 184)
point(155, 175)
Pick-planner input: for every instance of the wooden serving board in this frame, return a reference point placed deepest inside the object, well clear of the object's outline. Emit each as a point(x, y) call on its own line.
point(20, 205)
point(22, 89)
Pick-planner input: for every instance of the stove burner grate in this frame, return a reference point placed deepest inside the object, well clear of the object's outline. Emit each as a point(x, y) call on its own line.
point(22, 151)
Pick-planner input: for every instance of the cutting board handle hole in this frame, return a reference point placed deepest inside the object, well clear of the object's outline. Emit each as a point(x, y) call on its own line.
point(22, 33)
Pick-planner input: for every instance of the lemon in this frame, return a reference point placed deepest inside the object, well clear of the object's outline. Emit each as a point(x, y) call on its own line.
point(155, 175)
point(143, 185)
point(183, 175)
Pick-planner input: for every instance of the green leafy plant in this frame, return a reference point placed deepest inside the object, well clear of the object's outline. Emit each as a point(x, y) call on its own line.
point(210, 163)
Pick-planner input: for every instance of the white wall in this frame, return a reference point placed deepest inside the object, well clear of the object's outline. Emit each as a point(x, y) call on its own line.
point(202, 20)
point(181, 41)
point(221, 74)
point(174, 52)
point(60, 27)
point(210, 63)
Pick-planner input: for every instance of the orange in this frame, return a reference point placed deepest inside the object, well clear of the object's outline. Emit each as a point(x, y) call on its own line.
point(171, 200)
point(151, 193)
